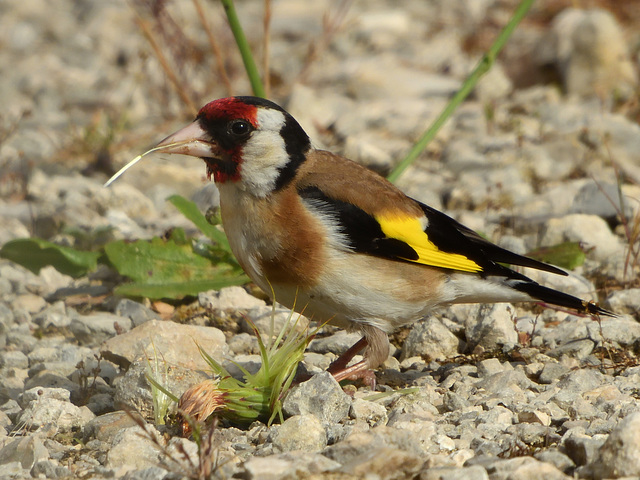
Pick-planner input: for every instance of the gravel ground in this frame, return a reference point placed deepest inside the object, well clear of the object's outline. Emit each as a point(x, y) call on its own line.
point(547, 150)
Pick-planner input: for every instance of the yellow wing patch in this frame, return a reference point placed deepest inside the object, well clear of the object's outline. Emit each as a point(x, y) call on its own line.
point(411, 231)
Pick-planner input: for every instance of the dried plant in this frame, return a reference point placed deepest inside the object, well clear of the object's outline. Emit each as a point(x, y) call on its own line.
point(259, 395)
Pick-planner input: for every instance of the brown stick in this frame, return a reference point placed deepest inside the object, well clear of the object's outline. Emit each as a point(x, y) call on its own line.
point(266, 47)
point(215, 47)
point(173, 79)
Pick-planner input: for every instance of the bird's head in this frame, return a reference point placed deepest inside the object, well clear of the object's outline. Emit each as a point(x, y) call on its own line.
point(247, 140)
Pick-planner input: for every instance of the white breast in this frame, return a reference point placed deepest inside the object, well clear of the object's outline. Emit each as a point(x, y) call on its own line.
point(245, 228)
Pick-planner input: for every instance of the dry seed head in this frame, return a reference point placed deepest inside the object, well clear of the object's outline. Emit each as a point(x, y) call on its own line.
point(198, 402)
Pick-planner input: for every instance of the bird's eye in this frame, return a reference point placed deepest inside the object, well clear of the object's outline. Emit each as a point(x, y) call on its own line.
point(239, 127)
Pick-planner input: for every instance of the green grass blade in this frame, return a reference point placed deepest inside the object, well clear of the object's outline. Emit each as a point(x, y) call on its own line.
point(161, 387)
point(215, 366)
point(190, 210)
point(243, 46)
point(481, 68)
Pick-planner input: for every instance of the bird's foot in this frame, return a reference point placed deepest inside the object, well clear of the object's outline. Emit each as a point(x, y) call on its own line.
point(357, 371)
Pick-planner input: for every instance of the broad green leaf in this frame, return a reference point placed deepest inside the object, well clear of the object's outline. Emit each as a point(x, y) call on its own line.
point(179, 236)
point(568, 255)
point(36, 253)
point(179, 289)
point(191, 211)
point(164, 269)
point(90, 239)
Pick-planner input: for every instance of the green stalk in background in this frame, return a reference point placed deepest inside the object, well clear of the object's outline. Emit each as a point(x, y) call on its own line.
point(243, 46)
point(483, 67)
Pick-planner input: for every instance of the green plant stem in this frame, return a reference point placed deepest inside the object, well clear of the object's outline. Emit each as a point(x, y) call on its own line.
point(481, 68)
point(243, 46)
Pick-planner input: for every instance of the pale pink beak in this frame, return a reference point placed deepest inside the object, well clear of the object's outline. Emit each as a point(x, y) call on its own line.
point(191, 140)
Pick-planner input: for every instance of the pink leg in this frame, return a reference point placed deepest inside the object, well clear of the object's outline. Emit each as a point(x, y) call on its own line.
point(342, 361)
point(360, 370)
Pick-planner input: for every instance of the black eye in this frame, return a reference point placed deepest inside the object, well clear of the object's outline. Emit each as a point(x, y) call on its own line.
point(239, 127)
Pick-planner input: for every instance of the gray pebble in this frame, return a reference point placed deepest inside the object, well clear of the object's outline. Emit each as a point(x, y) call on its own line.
point(617, 457)
point(432, 340)
point(134, 448)
point(27, 450)
point(320, 396)
point(579, 349)
point(337, 343)
point(452, 401)
point(561, 461)
point(95, 329)
point(489, 326)
point(551, 372)
point(524, 167)
point(49, 469)
point(625, 301)
point(371, 413)
point(137, 312)
point(582, 450)
point(600, 199)
point(13, 359)
point(299, 432)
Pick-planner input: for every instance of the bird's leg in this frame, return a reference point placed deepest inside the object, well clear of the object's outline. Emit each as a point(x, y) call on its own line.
point(377, 343)
point(339, 368)
point(357, 371)
point(343, 360)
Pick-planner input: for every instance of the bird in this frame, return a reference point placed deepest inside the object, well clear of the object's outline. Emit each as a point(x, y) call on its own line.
point(328, 237)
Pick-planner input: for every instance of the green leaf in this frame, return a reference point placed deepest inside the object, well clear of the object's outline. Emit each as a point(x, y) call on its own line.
point(178, 289)
point(191, 211)
point(155, 384)
point(179, 236)
point(568, 255)
point(90, 239)
point(164, 269)
point(36, 253)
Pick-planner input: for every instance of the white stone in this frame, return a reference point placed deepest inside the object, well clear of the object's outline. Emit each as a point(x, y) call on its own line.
point(618, 457)
point(431, 339)
point(488, 326)
point(370, 412)
point(64, 415)
point(134, 449)
point(495, 84)
point(229, 298)
point(593, 231)
point(590, 52)
point(300, 432)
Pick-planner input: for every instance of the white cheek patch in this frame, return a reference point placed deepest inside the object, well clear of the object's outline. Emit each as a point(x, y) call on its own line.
point(270, 119)
point(264, 154)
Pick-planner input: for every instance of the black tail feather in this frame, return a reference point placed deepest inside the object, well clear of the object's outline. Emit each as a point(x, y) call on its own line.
point(554, 297)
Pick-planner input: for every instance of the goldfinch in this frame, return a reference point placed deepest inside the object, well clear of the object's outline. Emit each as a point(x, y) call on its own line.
point(329, 237)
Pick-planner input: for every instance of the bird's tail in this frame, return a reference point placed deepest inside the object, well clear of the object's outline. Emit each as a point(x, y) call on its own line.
point(554, 297)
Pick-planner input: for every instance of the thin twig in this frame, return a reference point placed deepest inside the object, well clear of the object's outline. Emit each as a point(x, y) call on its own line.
point(266, 47)
point(481, 68)
point(631, 231)
point(173, 79)
point(215, 47)
point(331, 25)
